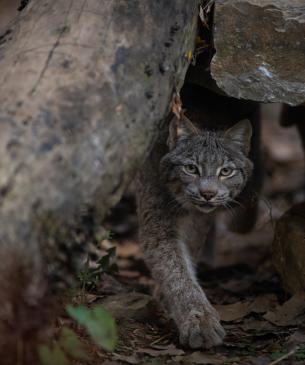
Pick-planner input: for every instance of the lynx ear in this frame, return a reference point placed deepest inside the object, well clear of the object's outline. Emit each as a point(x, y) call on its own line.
point(241, 134)
point(180, 128)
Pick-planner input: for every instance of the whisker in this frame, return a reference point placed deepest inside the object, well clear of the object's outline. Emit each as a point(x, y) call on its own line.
point(228, 209)
point(172, 203)
point(238, 203)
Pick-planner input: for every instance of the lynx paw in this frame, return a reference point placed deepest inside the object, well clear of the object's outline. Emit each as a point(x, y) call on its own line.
point(201, 330)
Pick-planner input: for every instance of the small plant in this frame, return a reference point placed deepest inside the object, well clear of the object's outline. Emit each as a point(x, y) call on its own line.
point(90, 277)
point(98, 323)
point(300, 354)
point(66, 348)
point(277, 354)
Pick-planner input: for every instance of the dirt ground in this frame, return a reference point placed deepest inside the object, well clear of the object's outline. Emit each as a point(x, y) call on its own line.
point(264, 325)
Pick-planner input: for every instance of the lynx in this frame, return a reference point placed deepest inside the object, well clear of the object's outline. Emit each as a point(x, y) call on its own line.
point(190, 173)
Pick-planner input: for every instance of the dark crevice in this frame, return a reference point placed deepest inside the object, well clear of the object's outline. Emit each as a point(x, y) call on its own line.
point(23, 4)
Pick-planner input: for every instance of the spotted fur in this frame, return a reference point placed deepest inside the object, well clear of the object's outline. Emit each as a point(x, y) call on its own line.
point(175, 217)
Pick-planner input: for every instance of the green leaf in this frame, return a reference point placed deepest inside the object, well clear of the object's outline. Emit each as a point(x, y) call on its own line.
point(99, 324)
point(103, 263)
point(300, 355)
point(71, 344)
point(277, 354)
point(53, 356)
point(111, 251)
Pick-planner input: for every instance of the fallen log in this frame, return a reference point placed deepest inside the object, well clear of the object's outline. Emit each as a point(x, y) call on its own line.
point(84, 87)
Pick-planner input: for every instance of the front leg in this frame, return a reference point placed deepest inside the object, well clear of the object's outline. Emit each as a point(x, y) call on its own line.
point(168, 258)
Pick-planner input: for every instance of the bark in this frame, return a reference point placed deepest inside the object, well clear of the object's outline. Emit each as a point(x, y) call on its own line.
point(84, 87)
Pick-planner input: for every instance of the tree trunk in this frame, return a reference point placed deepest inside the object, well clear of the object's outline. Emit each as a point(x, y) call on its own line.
point(84, 86)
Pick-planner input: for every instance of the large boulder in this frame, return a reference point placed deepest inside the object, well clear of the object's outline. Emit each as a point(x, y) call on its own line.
point(260, 49)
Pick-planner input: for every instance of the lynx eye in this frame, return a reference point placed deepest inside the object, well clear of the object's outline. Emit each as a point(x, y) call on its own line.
point(191, 169)
point(226, 172)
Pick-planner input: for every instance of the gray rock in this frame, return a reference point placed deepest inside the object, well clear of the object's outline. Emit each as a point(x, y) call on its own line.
point(260, 49)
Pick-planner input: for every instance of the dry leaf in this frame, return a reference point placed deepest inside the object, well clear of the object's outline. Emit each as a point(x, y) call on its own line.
point(233, 312)
point(259, 326)
point(291, 313)
point(177, 105)
point(264, 303)
point(132, 359)
point(170, 350)
point(238, 310)
point(130, 305)
point(109, 285)
point(200, 358)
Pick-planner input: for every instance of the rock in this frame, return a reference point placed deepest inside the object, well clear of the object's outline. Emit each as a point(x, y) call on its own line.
point(289, 248)
point(260, 50)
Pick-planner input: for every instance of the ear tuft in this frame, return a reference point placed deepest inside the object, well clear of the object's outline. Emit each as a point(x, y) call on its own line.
point(180, 128)
point(241, 134)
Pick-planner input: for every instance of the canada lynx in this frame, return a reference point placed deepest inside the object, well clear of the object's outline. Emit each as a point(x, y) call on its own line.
point(189, 174)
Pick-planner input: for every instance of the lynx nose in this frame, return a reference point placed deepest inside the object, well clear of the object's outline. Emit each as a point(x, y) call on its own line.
point(208, 195)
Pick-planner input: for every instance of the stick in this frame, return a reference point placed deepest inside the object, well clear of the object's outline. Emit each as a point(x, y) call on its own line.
point(293, 351)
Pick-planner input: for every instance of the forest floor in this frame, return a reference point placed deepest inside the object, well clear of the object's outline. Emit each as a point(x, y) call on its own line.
point(264, 325)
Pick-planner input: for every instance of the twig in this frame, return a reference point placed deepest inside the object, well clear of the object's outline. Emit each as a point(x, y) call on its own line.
point(277, 361)
point(207, 4)
point(159, 339)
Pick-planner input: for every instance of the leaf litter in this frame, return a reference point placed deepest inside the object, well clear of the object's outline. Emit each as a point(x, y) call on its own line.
point(264, 325)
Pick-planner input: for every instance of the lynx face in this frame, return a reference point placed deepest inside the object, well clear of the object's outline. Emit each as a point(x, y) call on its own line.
point(206, 169)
